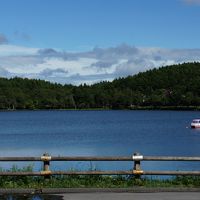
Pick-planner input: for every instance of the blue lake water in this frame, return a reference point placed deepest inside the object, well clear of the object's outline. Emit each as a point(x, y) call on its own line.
point(100, 133)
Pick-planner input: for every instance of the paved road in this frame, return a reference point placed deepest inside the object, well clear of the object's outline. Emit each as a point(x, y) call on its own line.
point(111, 196)
point(133, 196)
point(104, 193)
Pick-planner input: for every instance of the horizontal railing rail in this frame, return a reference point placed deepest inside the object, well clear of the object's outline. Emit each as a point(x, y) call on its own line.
point(102, 158)
point(136, 158)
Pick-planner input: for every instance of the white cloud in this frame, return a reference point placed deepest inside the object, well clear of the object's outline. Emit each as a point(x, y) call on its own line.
point(8, 50)
point(87, 67)
point(80, 65)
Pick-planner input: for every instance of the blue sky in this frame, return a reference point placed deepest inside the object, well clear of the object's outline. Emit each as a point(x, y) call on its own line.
point(77, 30)
point(83, 24)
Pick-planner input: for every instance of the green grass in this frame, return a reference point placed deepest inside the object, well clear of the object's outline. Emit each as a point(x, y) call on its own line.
point(94, 181)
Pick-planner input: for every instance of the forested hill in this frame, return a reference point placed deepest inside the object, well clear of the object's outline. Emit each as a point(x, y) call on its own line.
point(173, 86)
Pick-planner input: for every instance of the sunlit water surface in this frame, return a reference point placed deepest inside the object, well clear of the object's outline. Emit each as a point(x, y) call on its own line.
point(100, 133)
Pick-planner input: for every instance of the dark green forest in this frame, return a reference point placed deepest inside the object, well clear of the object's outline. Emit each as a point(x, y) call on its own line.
point(170, 87)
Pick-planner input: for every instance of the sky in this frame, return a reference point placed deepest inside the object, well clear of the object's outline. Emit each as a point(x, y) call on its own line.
point(87, 41)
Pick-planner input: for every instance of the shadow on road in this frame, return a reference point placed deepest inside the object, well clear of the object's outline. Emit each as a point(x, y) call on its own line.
point(31, 197)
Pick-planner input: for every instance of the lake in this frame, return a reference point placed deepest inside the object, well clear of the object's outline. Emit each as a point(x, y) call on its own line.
point(100, 133)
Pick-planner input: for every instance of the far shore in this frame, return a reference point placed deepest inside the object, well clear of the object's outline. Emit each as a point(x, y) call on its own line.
point(135, 108)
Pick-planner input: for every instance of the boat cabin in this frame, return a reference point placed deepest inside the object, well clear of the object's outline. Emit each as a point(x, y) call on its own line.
point(195, 123)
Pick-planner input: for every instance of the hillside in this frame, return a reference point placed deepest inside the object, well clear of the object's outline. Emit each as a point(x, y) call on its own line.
point(176, 86)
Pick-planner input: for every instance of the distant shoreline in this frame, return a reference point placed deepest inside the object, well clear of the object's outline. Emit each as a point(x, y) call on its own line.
point(174, 87)
point(153, 108)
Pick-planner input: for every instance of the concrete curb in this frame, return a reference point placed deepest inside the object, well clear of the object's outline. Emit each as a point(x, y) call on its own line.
point(95, 190)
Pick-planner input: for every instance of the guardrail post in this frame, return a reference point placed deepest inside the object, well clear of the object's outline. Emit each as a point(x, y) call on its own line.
point(46, 166)
point(137, 166)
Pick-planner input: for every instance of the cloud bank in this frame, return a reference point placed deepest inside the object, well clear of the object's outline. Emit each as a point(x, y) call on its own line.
point(87, 67)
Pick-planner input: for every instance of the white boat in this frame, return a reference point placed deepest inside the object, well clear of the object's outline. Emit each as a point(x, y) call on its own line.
point(195, 123)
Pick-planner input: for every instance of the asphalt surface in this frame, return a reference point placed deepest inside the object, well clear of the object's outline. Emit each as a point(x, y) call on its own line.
point(135, 193)
point(133, 196)
point(106, 196)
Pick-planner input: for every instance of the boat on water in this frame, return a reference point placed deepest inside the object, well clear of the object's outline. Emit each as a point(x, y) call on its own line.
point(195, 123)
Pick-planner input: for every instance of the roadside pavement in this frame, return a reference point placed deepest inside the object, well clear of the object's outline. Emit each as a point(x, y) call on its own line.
point(133, 196)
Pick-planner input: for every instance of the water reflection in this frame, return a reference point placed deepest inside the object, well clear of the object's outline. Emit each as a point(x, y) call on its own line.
point(31, 197)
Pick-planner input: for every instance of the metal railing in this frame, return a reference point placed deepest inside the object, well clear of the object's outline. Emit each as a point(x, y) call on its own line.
point(136, 159)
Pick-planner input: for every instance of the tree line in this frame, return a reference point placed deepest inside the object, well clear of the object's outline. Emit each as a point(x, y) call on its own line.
point(171, 86)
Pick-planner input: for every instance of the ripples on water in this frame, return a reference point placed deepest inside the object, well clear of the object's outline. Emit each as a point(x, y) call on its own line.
point(100, 133)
